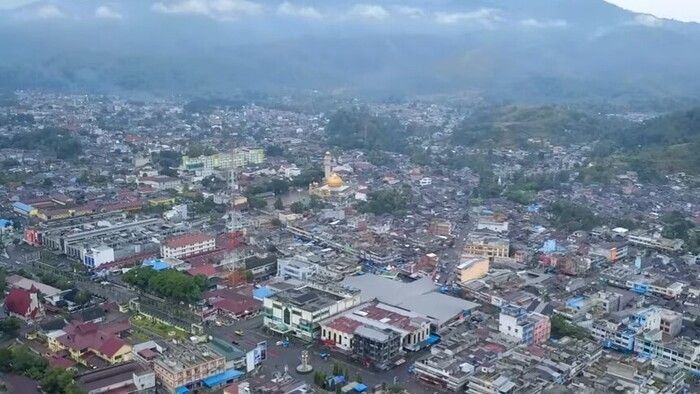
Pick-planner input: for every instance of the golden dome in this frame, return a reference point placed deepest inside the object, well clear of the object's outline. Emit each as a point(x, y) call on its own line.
point(334, 181)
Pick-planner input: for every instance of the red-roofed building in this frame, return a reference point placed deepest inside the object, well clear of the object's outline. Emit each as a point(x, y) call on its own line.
point(236, 303)
point(207, 270)
point(92, 344)
point(24, 303)
point(187, 245)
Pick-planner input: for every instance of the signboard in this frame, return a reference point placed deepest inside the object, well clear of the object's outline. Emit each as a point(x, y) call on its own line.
point(256, 356)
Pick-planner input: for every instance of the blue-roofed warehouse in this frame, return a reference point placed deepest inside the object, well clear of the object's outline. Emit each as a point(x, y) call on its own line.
point(22, 208)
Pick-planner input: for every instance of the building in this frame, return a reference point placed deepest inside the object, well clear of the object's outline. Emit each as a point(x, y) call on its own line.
point(98, 255)
point(487, 246)
point(655, 241)
point(413, 329)
point(187, 245)
point(296, 267)
point(619, 331)
point(419, 296)
point(376, 347)
point(93, 344)
point(225, 160)
point(472, 268)
point(671, 322)
point(128, 377)
point(24, 209)
point(187, 366)
point(626, 278)
point(441, 228)
point(525, 327)
point(493, 222)
point(611, 251)
point(299, 311)
point(24, 304)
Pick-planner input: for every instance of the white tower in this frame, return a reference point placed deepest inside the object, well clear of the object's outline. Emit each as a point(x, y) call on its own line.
point(327, 165)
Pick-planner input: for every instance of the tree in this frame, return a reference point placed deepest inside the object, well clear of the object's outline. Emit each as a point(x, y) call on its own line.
point(393, 201)
point(278, 204)
point(297, 207)
point(83, 297)
point(10, 326)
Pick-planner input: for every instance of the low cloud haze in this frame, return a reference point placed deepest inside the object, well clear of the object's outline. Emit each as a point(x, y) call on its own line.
point(540, 49)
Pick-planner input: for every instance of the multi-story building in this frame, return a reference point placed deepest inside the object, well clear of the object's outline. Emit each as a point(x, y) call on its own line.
point(128, 377)
point(188, 366)
point(655, 242)
point(524, 327)
point(495, 222)
point(98, 255)
point(412, 328)
point(376, 347)
point(482, 245)
point(296, 267)
point(299, 311)
point(681, 351)
point(626, 278)
point(620, 334)
point(472, 268)
point(187, 245)
point(611, 251)
point(224, 161)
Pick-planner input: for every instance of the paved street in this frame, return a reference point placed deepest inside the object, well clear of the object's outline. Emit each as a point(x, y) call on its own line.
point(279, 356)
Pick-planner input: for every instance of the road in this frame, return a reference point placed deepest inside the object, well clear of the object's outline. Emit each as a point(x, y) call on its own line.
point(279, 356)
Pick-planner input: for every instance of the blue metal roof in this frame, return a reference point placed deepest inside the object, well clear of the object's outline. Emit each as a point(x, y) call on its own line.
point(360, 388)
point(5, 223)
point(22, 206)
point(223, 377)
point(156, 265)
point(262, 292)
point(182, 390)
point(432, 339)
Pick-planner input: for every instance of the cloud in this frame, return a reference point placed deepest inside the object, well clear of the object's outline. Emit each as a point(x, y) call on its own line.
point(369, 11)
point(215, 9)
point(411, 12)
point(482, 16)
point(105, 12)
point(647, 20)
point(290, 9)
point(543, 24)
point(39, 11)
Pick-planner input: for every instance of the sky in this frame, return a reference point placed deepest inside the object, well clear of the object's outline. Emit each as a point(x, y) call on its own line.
point(682, 10)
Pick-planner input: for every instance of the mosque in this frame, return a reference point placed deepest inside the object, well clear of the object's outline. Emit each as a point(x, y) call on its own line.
point(332, 182)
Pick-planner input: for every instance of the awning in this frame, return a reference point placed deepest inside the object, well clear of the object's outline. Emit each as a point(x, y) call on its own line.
point(182, 390)
point(220, 378)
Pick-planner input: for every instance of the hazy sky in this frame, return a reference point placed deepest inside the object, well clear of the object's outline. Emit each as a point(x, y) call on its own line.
point(682, 10)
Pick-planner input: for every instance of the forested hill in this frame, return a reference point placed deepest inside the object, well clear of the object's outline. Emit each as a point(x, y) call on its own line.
point(669, 143)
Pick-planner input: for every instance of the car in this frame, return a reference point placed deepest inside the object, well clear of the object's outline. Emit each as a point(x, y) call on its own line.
point(239, 333)
point(324, 355)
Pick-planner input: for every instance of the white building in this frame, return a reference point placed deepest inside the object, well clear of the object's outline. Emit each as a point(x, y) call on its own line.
point(299, 311)
point(296, 267)
point(97, 256)
point(187, 245)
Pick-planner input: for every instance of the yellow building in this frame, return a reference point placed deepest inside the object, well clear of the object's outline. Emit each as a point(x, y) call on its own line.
point(472, 268)
point(487, 247)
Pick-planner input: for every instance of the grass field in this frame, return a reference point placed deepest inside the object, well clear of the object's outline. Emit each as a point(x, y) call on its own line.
point(158, 328)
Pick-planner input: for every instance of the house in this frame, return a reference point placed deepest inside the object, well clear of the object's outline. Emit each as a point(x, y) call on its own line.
point(92, 344)
point(24, 304)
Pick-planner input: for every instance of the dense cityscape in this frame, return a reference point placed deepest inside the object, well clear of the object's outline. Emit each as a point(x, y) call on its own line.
point(330, 196)
point(164, 246)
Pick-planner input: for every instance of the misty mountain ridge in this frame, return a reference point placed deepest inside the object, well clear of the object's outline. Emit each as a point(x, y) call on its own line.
point(534, 50)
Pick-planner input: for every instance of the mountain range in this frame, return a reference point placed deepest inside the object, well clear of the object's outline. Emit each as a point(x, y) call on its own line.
point(519, 50)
